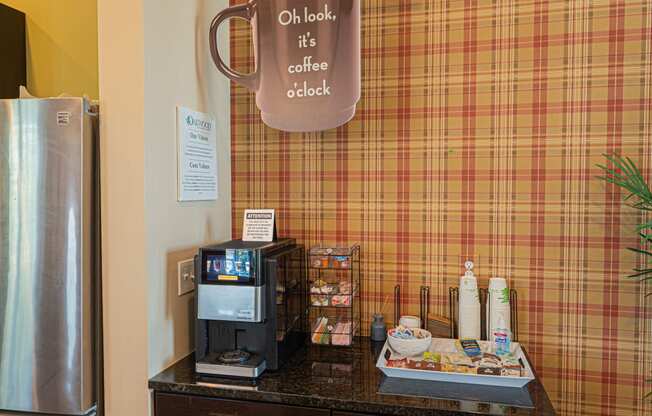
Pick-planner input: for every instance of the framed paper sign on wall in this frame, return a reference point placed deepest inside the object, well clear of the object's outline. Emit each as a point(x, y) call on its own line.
point(196, 156)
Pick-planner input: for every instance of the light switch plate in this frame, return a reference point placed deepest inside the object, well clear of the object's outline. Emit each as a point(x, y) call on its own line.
point(186, 278)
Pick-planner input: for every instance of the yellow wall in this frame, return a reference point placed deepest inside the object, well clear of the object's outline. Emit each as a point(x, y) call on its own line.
point(62, 46)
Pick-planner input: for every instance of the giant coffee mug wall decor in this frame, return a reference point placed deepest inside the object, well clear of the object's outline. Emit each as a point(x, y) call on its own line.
point(307, 54)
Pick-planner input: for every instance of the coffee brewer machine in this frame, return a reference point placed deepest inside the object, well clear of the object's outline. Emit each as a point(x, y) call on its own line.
point(250, 308)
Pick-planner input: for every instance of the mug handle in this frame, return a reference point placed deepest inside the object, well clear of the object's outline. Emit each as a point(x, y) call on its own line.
point(244, 12)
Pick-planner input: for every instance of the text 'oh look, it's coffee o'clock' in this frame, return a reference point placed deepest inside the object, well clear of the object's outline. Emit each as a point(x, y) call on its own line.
point(312, 83)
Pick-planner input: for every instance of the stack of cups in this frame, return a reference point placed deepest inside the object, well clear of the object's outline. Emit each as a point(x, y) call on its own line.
point(497, 306)
point(469, 305)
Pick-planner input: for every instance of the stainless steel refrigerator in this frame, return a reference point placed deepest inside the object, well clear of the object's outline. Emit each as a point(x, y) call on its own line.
point(50, 310)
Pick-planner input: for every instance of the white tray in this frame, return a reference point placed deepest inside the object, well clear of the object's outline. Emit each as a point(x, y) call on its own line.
point(448, 345)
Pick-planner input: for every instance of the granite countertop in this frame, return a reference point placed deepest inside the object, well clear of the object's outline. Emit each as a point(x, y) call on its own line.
point(347, 380)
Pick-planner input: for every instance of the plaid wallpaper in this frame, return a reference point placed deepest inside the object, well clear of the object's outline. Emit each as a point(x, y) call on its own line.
point(477, 136)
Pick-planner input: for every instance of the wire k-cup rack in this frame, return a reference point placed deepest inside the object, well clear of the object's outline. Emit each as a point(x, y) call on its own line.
point(334, 295)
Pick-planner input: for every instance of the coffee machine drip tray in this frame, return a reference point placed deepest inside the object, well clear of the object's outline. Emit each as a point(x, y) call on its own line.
point(234, 357)
point(234, 363)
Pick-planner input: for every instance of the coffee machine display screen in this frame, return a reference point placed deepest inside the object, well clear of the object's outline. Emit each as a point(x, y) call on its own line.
point(233, 266)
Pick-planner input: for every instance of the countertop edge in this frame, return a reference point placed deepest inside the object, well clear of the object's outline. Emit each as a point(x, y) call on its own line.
point(300, 400)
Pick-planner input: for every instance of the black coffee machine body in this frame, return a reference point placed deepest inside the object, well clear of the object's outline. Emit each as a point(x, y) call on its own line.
point(249, 307)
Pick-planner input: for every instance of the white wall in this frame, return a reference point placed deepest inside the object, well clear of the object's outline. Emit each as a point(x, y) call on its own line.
point(153, 56)
point(125, 283)
point(179, 71)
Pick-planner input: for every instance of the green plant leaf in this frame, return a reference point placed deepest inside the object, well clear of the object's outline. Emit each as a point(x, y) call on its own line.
point(646, 237)
point(644, 226)
point(625, 174)
point(643, 279)
point(638, 250)
point(637, 176)
point(639, 278)
point(643, 205)
point(639, 273)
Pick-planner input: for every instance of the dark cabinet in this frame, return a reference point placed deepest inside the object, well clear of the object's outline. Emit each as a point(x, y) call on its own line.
point(338, 413)
point(13, 70)
point(181, 405)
